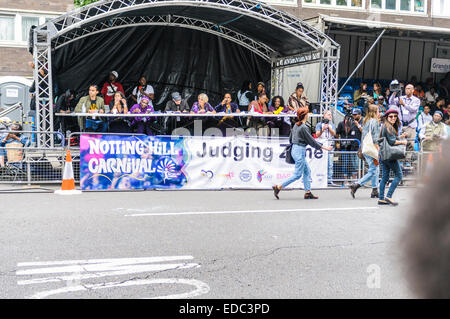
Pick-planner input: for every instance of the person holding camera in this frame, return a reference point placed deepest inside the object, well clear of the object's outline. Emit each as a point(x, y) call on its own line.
point(143, 89)
point(349, 130)
point(408, 106)
point(325, 133)
point(13, 136)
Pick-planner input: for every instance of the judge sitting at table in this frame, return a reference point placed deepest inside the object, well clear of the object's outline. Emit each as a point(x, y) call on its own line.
point(202, 105)
point(228, 107)
point(119, 106)
point(259, 123)
point(142, 125)
point(91, 104)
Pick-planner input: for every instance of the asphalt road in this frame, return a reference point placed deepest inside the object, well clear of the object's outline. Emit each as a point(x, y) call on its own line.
point(202, 244)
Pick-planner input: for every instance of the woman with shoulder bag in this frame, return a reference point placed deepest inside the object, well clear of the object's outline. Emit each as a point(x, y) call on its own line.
point(372, 126)
point(301, 137)
point(389, 131)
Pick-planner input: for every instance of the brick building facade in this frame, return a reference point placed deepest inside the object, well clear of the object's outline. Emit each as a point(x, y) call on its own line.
point(17, 15)
point(15, 18)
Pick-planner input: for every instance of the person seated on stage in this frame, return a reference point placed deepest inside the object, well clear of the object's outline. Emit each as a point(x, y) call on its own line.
point(226, 106)
point(259, 123)
point(177, 104)
point(259, 105)
point(111, 86)
point(202, 105)
point(298, 99)
point(261, 88)
point(277, 106)
point(143, 88)
point(119, 106)
point(141, 125)
point(245, 95)
point(65, 104)
point(12, 137)
point(92, 103)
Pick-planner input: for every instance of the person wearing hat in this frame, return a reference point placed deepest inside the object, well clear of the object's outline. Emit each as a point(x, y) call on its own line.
point(382, 105)
point(390, 130)
point(110, 87)
point(142, 125)
point(433, 133)
point(350, 131)
point(178, 105)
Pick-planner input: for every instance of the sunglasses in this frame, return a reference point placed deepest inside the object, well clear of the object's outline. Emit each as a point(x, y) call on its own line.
point(392, 116)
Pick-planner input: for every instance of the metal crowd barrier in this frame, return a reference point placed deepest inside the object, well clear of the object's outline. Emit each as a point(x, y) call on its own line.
point(45, 165)
point(346, 164)
point(26, 163)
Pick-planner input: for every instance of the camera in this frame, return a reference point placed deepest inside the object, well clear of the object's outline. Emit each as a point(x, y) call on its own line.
point(395, 86)
point(325, 121)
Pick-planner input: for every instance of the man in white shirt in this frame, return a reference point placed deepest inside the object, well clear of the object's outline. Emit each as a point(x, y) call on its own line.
point(143, 89)
point(408, 105)
point(424, 117)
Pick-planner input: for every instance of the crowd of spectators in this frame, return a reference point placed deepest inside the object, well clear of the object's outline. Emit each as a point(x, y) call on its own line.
point(111, 98)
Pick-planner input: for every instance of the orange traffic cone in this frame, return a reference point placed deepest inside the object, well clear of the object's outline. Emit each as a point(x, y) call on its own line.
point(68, 182)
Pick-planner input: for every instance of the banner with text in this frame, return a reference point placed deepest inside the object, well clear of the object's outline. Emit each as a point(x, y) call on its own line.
point(165, 162)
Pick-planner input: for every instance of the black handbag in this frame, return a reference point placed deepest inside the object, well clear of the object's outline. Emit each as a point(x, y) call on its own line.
point(288, 151)
point(391, 153)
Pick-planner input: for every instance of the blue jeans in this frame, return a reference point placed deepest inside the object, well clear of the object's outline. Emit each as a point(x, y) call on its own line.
point(301, 167)
point(387, 166)
point(373, 173)
point(330, 166)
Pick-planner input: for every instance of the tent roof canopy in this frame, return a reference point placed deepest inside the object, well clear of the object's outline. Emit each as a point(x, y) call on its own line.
point(273, 33)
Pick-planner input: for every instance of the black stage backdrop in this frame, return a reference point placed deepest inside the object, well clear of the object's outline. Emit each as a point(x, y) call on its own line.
point(171, 58)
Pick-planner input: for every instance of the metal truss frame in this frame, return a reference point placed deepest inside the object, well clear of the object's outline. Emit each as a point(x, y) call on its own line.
point(264, 51)
point(114, 14)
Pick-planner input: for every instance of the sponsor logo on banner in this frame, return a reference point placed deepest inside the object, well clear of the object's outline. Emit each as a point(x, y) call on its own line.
point(260, 174)
point(245, 175)
point(167, 169)
point(263, 175)
point(208, 174)
point(228, 175)
point(283, 175)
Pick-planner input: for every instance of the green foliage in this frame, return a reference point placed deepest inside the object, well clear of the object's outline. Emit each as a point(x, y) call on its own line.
point(81, 3)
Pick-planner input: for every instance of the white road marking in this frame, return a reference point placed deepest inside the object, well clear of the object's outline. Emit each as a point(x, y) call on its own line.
point(78, 270)
point(112, 261)
point(247, 211)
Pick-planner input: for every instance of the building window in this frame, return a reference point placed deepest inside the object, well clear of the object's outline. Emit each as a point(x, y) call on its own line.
point(15, 29)
point(415, 6)
point(27, 22)
point(441, 8)
point(338, 3)
point(6, 28)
